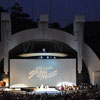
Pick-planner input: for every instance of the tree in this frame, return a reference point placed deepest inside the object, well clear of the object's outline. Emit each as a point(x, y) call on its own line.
point(16, 8)
point(55, 25)
point(3, 10)
point(17, 12)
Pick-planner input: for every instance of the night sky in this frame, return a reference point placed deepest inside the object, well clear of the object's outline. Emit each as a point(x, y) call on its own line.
point(63, 11)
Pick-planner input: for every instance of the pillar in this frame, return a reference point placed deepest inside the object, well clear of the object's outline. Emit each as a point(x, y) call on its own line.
point(43, 24)
point(5, 37)
point(79, 38)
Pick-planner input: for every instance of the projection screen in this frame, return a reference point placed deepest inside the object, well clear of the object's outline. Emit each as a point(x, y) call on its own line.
point(34, 72)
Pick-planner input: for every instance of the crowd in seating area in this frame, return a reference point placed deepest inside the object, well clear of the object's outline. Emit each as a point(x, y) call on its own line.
point(81, 92)
point(91, 94)
point(82, 86)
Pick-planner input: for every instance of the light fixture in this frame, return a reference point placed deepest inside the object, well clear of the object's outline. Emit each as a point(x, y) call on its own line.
point(41, 57)
point(54, 57)
point(43, 54)
point(47, 57)
point(43, 49)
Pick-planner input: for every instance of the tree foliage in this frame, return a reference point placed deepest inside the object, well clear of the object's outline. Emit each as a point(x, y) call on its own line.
point(3, 10)
point(17, 12)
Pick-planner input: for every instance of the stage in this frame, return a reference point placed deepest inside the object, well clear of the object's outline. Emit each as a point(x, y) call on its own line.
point(47, 90)
point(31, 90)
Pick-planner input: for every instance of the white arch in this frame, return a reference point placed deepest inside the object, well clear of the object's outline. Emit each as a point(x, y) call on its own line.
point(35, 34)
point(90, 58)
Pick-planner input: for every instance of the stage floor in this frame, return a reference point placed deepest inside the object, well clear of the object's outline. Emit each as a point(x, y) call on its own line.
point(37, 91)
point(47, 90)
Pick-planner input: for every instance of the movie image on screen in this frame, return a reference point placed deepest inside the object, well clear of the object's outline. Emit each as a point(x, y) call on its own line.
point(34, 72)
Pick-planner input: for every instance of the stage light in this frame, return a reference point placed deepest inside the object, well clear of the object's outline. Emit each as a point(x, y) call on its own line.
point(54, 57)
point(43, 49)
point(41, 57)
point(47, 57)
point(43, 54)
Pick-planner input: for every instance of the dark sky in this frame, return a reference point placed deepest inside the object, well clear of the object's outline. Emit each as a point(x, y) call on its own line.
point(63, 11)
